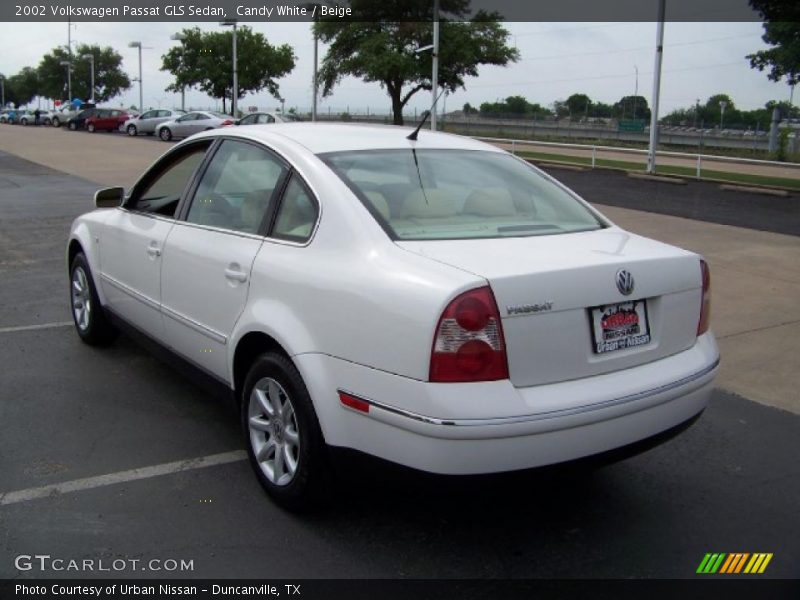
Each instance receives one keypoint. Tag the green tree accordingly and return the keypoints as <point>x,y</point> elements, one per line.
<point>109,78</point>
<point>629,107</point>
<point>578,105</point>
<point>782,31</point>
<point>468,110</point>
<point>377,50</point>
<point>204,59</point>
<point>22,87</point>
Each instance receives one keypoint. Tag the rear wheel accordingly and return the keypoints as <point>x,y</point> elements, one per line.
<point>56,122</point>
<point>165,134</point>
<point>90,321</point>
<point>72,126</point>
<point>284,440</point>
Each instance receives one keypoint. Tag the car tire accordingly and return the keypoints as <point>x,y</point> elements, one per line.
<point>56,122</point>
<point>90,128</point>
<point>47,122</point>
<point>90,320</point>
<point>24,122</point>
<point>72,126</point>
<point>165,134</point>
<point>284,441</point>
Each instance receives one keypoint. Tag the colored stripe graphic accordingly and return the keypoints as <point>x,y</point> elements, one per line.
<point>733,563</point>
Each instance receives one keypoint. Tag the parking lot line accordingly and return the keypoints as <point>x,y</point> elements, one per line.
<point>88,483</point>
<point>34,327</point>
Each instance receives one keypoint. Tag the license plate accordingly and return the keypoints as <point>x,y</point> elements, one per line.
<point>620,326</point>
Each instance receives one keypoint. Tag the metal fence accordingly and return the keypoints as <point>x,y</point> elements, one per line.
<point>697,158</point>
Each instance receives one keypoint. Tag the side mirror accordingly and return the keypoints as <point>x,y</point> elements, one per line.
<point>109,197</point>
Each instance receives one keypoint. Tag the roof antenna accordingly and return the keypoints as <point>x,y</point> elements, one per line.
<point>413,135</point>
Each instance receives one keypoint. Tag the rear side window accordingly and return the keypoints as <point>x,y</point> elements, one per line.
<point>164,185</point>
<point>297,213</point>
<point>237,188</point>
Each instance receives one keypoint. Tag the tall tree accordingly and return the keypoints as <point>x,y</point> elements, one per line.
<point>630,106</point>
<point>782,31</point>
<point>204,59</point>
<point>109,78</point>
<point>578,105</point>
<point>384,51</point>
<point>22,87</point>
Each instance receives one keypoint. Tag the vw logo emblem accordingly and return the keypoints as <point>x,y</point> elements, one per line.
<point>624,282</point>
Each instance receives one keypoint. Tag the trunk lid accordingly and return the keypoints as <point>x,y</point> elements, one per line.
<point>546,288</point>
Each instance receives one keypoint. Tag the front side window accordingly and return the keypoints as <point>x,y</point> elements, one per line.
<point>164,187</point>
<point>433,194</point>
<point>297,214</point>
<point>237,187</point>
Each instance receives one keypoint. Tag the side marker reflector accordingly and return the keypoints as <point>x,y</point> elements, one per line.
<point>353,402</point>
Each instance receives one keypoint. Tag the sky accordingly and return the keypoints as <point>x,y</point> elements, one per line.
<point>556,60</point>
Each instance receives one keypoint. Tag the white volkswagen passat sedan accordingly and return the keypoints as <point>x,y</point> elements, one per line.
<point>436,302</point>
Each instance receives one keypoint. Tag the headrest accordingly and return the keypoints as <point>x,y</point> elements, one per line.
<point>431,204</point>
<point>379,202</point>
<point>490,202</point>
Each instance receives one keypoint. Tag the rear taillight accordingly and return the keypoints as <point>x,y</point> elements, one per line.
<point>227,122</point>
<point>705,303</point>
<point>468,344</point>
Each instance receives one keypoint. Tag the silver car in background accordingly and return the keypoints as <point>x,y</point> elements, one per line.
<point>191,123</point>
<point>149,120</point>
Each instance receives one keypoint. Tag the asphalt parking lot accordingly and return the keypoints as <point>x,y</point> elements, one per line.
<point>70,412</point>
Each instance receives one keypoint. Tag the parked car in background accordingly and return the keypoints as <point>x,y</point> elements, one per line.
<point>148,121</point>
<point>106,119</point>
<point>191,123</point>
<point>28,117</point>
<point>8,116</point>
<point>63,114</point>
<point>79,120</point>
<point>263,118</point>
<point>457,310</point>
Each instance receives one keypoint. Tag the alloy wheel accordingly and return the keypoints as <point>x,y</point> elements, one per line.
<point>81,299</point>
<point>274,436</point>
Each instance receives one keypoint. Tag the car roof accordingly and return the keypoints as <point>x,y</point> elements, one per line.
<point>339,137</point>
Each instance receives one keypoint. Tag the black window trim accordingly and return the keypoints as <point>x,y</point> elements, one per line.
<point>157,169</point>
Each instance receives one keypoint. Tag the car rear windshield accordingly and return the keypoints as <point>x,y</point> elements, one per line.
<point>434,194</point>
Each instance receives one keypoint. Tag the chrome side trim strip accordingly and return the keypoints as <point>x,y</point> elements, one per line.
<point>555,414</point>
<point>131,292</point>
<point>191,323</point>
<point>212,334</point>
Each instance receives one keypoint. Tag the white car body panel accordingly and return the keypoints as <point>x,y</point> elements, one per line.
<point>357,312</point>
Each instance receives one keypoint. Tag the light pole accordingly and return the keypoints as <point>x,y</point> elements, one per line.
<point>2,92</point>
<point>722,105</point>
<point>651,152</point>
<point>141,94</point>
<point>635,91</point>
<point>435,74</point>
<point>68,64</point>
<point>90,57</point>
<point>179,37</point>
<point>232,23</point>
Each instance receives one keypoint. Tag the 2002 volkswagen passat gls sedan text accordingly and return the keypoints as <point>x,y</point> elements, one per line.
<point>435,302</point>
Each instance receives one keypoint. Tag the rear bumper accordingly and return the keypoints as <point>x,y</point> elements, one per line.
<point>530,427</point>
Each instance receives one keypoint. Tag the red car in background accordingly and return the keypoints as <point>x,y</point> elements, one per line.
<point>109,119</point>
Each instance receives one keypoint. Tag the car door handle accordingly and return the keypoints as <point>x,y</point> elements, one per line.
<point>153,251</point>
<point>236,275</point>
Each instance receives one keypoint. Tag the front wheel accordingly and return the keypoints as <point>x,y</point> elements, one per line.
<point>56,122</point>
<point>90,128</point>
<point>90,321</point>
<point>284,440</point>
<point>165,134</point>
<point>72,126</point>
